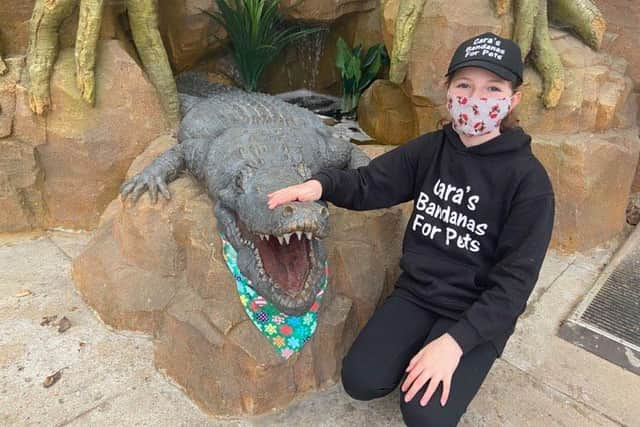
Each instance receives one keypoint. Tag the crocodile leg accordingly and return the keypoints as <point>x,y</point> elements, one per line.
<point>342,154</point>
<point>156,176</point>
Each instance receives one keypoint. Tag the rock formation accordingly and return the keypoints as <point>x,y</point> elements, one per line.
<point>158,268</point>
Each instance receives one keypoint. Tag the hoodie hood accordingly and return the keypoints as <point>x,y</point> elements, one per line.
<point>513,139</point>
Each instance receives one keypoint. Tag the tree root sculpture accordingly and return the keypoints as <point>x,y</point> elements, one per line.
<point>43,48</point>
<point>143,18</point>
<point>408,13</point>
<point>89,21</point>
<point>3,66</point>
<point>502,6</point>
<point>582,17</point>
<point>46,20</point>
<point>531,32</point>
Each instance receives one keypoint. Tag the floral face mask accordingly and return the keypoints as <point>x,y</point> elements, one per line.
<point>473,116</point>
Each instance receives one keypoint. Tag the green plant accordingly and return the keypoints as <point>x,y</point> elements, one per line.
<point>257,32</point>
<point>357,72</point>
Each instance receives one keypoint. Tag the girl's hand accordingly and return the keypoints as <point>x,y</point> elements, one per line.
<point>306,192</point>
<point>435,363</point>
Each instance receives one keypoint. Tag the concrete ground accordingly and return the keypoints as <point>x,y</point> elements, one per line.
<point>108,377</point>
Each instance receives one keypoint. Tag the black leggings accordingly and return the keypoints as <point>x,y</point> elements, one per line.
<point>375,365</point>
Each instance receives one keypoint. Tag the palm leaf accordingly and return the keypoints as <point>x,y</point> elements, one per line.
<point>356,72</point>
<point>255,34</point>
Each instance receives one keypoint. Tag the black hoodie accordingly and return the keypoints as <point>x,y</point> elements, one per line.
<point>481,223</point>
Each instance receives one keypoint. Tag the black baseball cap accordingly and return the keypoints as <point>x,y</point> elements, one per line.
<point>491,52</point>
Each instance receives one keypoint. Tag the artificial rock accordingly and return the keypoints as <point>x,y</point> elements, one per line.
<point>84,152</point>
<point>158,269</point>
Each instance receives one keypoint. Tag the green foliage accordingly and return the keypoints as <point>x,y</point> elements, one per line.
<point>357,72</point>
<point>257,32</point>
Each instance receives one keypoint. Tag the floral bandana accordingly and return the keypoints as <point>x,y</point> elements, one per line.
<point>475,116</point>
<point>286,333</point>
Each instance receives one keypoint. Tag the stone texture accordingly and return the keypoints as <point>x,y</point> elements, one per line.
<point>189,35</point>
<point>591,175</point>
<point>28,127</point>
<point>14,27</point>
<point>633,209</point>
<point>324,10</point>
<point>595,95</point>
<point>86,151</point>
<point>8,94</point>
<point>386,112</point>
<point>159,269</point>
<point>623,33</point>
<point>621,39</point>
<point>21,201</point>
<point>135,277</point>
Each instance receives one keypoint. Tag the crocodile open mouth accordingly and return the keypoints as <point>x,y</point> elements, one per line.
<point>287,263</point>
<point>285,259</point>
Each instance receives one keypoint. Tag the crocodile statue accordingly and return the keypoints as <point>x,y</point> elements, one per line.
<point>242,146</point>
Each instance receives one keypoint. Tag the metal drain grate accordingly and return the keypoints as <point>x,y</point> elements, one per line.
<point>607,322</point>
<point>616,308</point>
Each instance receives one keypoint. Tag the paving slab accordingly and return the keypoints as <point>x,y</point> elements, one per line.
<point>536,349</point>
<point>510,397</point>
<point>95,363</point>
<point>108,377</point>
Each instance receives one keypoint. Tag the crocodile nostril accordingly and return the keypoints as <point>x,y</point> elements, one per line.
<point>287,211</point>
<point>324,213</point>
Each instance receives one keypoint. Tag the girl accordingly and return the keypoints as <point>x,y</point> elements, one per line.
<point>473,246</point>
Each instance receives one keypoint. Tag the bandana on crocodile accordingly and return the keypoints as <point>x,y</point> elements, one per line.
<point>285,332</point>
<point>475,116</point>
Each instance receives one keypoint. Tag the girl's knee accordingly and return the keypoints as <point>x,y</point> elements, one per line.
<point>362,384</point>
<point>431,415</point>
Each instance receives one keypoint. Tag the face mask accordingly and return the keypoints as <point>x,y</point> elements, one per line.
<point>286,333</point>
<point>473,116</point>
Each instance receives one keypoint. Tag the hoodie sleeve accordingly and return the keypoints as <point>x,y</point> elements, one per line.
<point>387,180</point>
<point>522,246</point>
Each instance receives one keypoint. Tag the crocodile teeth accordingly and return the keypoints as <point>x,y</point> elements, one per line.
<point>299,234</point>
<point>280,239</point>
<point>309,235</point>
<point>287,236</point>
